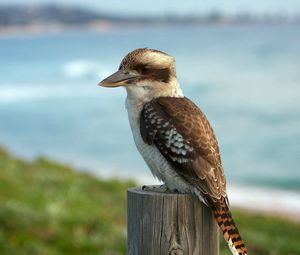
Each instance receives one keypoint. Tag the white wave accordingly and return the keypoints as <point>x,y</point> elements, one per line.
<point>21,92</point>
<point>74,70</point>
<point>266,199</point>
<point>80,68</point>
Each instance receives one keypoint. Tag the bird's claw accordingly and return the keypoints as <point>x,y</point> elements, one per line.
<point>155,188</point>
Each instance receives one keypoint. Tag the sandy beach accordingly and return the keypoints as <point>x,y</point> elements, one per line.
<point>281,203</point>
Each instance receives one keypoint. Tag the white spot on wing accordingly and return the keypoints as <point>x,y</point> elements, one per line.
<point>166,124</point>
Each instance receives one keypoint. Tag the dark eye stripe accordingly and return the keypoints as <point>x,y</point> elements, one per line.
<point>161,74</point>
<point>155,74</point>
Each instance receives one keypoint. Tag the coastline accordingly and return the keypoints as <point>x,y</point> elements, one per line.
<point>52,28</point>
<point>276,202</point>
<point>267,201</point>
<point>39,28</point>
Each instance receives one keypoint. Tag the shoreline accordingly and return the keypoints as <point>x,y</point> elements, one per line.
<point>35,29</point>
<point>277,202</point>
<point>268,201</point>
<point>52,28</point>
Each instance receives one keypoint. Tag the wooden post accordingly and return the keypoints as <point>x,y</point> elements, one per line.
<point>168,223</point>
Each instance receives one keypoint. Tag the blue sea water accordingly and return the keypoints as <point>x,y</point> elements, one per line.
<point>245,78</point>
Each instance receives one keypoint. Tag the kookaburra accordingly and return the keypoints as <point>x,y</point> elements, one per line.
<point>173,135</point>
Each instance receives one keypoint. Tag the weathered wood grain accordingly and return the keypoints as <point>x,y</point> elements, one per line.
<point>168,223</point>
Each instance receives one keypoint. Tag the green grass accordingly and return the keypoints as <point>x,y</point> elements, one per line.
<point>49,209</point>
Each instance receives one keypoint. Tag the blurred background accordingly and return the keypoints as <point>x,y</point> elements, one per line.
<point>239,61</point>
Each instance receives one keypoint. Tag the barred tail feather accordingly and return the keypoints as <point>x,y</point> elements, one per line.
<point>231,233</point>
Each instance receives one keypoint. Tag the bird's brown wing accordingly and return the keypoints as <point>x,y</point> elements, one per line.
<point>182,133</point>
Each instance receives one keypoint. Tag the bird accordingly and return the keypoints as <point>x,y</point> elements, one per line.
<point>174,136</point>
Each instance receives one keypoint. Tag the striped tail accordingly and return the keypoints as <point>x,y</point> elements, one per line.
<point>231,233</point>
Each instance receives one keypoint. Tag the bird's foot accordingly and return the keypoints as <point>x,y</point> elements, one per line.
<point>155,188</point>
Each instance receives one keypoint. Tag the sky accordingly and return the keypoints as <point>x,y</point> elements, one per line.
<point>153,7</point>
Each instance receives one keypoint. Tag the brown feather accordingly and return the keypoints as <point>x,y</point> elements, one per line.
<point>165,119</point>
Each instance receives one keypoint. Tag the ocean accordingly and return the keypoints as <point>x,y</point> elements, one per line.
<point>245,78</point>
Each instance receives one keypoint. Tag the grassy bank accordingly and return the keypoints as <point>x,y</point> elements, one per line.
<point>48,208</point>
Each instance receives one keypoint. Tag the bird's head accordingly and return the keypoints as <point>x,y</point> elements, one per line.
<point>146,74</point>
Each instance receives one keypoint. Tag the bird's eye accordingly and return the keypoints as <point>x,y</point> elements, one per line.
<point>145,69</point>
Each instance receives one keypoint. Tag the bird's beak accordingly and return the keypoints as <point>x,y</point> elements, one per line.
<point>119,78</point>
